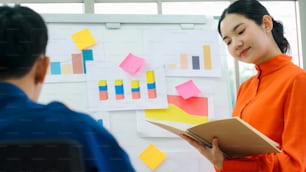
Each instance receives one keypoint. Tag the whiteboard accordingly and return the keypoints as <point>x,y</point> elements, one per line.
<point>153,38</point>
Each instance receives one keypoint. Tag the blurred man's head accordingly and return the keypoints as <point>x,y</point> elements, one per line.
<point>23,40</point>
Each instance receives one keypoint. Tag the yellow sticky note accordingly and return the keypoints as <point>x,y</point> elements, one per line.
<point>83,39</point>
<point>152,157</point>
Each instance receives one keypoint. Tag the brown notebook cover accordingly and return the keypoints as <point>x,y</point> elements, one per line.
<point>236,137</point>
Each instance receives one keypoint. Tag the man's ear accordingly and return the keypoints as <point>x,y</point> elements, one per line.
<point>42,66</point>
<point>267,23</point>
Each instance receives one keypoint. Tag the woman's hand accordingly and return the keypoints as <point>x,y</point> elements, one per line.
<point>214,154</point>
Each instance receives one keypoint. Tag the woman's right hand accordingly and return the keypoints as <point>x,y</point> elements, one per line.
<point>213,154</point>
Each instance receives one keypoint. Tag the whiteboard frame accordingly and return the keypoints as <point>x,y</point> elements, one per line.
<point>125,18</point>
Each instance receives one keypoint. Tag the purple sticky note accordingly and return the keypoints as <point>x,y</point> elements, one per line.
<point>132,64</point>
<point>188,89</point>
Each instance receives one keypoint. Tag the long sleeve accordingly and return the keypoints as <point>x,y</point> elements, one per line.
<point>293,140</point>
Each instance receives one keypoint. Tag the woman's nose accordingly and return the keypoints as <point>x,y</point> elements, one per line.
<point>237,43</point>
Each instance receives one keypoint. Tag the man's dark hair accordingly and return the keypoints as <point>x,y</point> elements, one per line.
<point>23,38</point>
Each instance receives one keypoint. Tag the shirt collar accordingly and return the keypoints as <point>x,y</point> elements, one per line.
<point>8,89</point>
<point>273,64</point>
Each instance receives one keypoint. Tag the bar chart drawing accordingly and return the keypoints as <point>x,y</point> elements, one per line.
<point>76,66</point>
<point>185,53</point>
<point>110,88</point>
<point>67,62</point>
<point>193,62</point>
<point>135,90</point>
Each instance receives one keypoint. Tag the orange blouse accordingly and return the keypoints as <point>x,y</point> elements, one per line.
<point>274,102</point>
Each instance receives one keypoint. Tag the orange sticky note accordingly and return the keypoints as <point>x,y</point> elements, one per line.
<point>152,157</point>
<point>83,39</point>
<point>188,89</point>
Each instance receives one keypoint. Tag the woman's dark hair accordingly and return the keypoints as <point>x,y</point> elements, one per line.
<point>23,38</point>
<point>255,11</point>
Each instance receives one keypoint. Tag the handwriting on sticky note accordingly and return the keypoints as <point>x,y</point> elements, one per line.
<point>83,39</point>
<point>132,64</point>
<point>188,89</point>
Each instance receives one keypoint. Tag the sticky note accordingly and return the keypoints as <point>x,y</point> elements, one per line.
<point>152,157</point>
<point>188,89</point>
<point>132,64</point>
<point>83,39</point>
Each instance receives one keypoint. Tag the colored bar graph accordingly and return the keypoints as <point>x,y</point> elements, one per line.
<point>184,61</point>
<point>195,62</point>
<point>77,63</point>
<point>103,94</point>
<point>135,89</point>
<point>55,68</point>
<point>119,89</point>
<point>207,57</point>
<point>150,78</point>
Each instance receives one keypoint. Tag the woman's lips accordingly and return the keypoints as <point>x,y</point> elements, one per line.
<point>244,52</point>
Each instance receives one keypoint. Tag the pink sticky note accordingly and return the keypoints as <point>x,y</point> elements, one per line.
<point>131,64</point>
<point>188,89</point>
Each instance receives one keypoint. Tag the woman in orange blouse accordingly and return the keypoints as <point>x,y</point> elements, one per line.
<point>273,101</point>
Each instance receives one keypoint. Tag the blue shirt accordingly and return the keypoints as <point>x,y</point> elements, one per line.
<point>23,119</point>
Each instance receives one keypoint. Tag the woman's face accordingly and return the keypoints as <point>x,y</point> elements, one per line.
<point>246,41</point>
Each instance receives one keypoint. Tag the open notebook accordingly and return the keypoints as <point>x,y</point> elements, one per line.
<point>236,137</point>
